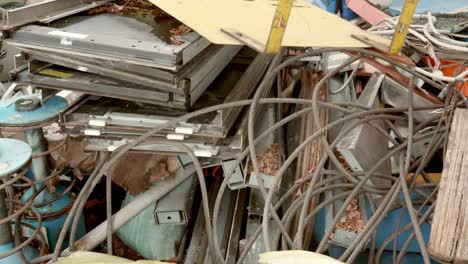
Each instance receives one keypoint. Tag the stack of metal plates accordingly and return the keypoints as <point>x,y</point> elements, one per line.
<point>121,56</point>
<point>134,79</point>
<point>108,123</point>
<point>16,13</point>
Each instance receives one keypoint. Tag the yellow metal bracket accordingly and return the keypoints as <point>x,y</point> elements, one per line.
<point>402,28</point>
<point>278,27</point>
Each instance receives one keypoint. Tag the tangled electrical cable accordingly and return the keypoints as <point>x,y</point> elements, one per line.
<point>320,180</point>
<point>435,42</point>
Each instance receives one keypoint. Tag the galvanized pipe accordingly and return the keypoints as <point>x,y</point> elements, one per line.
<point>141,202</point>
<point>40,165</point>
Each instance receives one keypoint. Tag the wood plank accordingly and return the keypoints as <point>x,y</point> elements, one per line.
<point>448,238</point>
<point>308,25</point>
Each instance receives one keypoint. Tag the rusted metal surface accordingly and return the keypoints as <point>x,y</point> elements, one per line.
<point>313,152</point>
<point>134,171</point>
<point>72,154</point>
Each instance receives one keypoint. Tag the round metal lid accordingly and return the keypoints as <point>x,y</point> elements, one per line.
<point>10,116</point>
<point>14,154</point>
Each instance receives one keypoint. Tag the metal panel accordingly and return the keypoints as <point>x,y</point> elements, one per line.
<point>111,36</point>
<point>89,77</point>
<point>151,233</point>
<point>40,59</point>
<point>136,119</point>
<point>254,221</point>
<point>196,75</point>
<point>17,13</point>
<point>364,145</point>
<point>396,95</point>
<point>198,246</point>
<point>224,223</point>
<point>236,227</point>
<point>200,150</point>
<point>175,207</point>
<point>93,84</point>
<point>237,178</point>
<point>116,117</point>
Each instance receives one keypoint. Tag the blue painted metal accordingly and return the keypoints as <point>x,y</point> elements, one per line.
<point>49,109</point>
<point>388,226</point>
<point>153,240</point>
<point>435,6</point>
<point>54,225</point>
<point>40,167</point>
<point>347,13</point>
<point>318,3</point>
<point>386,258</point>
<point>14,154</point>
<point>29,253</point>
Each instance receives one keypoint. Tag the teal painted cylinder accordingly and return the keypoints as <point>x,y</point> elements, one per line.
<point>29,253</point>
<point>53,225</point>
<point>158,231</point>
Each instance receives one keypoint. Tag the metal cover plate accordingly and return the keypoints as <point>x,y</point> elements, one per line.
<point>111,36</point>
<point>50,108</point>
<point>14,154</point>
<point>18,13</point>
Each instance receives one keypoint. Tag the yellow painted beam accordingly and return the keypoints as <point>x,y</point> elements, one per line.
<point>402,28</point>
<point>278,27</point>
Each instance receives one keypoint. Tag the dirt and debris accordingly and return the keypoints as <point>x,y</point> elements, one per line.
<point>342,161</point>
<point>267,161</point>
<point>129,6</point>
<point>177,34</point>
<point>352,221</point>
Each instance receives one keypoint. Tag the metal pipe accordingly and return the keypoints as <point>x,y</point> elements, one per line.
<point>40,165</point>
<point>124,215</point>
<point>5,229</point>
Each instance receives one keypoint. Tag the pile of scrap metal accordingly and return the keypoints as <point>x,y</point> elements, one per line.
<point>225,154</point>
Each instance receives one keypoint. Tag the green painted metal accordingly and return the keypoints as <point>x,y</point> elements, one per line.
<point>157,232</point>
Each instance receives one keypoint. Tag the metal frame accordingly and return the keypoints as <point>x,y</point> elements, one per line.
<point>42,11</point>
<point>156,146</point>
<point>111,117</point>
<point>88,83</point>
<point>180,93</point>
<point>199,72</point>
<point>84,38</point>
<point>117,120</point>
